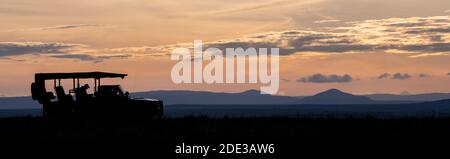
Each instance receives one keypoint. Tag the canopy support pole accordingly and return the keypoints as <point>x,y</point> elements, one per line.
<point>74,84</point>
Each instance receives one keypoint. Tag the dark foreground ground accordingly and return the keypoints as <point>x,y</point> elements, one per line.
<point>213,129</point>
<point>290,135</point>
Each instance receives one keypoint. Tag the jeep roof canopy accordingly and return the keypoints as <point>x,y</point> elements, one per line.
<point>83,75</point>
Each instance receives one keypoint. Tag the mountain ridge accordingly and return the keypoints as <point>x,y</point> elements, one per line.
<point>249,97</point>
<point>203,97</point>
<point>409,97</point>
<point>335,96</point>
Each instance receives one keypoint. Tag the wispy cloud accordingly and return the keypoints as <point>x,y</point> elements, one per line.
<point>58,27</point>
<point>429,55</point>
<point>70,26</point>
<point>84,57</point>
<point>23,48</point>
<point>384,76</point>
<point>401,76</point>
<point>327,21</point>
<point>424,75</point>
<point>321,78</point>
<point>398,76</point>
<point>260,6</point>
<point>9,50</point>
<point>285,80</point>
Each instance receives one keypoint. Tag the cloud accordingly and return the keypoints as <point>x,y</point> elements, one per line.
<point>285,80</point>
<point>260,6</point>
<point>327,21</point>
<point>76,56</point>
<point>320,78</point>
<point>23,48</point>
<point>113,56</point>
<point>421,35</point>
<point>162,50</point>
<point>293,41</point>
<point>401,76</point>
<point>428,55</point>
<point>87,57</point>
<point>397,76</point>
<point>69,26</point>
<point>58,27</point>
<point>8,50</point>
<point>424,36</point>
<point>423,75</point>
<point>431,30</point>
<point>408,35</point>
<point>384,75</point>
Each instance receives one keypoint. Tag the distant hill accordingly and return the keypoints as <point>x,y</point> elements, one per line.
<point>251,97</point>
<point>414,98</point>
<point>18,103</point>
<point>335,96</point>
<point>200,97</point>
<point>439,103</point>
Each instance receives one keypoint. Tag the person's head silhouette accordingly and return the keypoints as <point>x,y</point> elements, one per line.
<point>86,86</point>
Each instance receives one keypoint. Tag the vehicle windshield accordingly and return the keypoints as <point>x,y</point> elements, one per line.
<point>119,91</point>
<point>110,91</point>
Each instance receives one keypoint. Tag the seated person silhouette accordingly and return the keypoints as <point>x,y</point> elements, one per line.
<point>62,96</point>
<point>81,93</point>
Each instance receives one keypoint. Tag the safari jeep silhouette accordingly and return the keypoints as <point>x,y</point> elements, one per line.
<point>106,101</point>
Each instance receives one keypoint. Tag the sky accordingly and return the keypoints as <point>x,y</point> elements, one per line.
<point>358,46</point>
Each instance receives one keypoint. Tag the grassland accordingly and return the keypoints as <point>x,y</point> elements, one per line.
<point>223,129</point>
